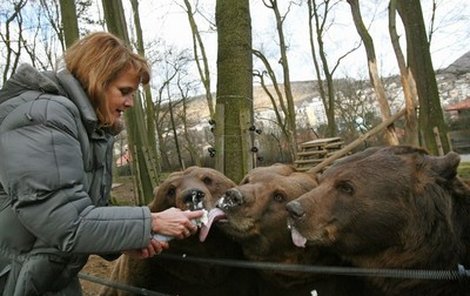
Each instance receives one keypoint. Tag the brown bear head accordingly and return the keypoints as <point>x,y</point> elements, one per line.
<point>191,189</point>
<point>256,207</point>
<point>388,207</point>
<point>256,217</point>
<point>255,210</point>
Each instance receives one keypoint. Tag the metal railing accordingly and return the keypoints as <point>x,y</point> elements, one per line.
<point>449,275</point>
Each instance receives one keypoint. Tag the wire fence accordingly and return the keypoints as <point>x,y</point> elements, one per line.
<point>458,274</point>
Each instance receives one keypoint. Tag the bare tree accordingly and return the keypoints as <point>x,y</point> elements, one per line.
<point>184,90</point>
<point>407,82</point>
<point>318,24</point>
<point>355,109</point>
<point>51,10</point>
<point>161,122</point>
<point>12,52</point>
<point>273,5</point>
<point>279,106</point>
<point>30,46</point>
<point>390,133</point>
<point>173,67</point>
<point>419,60</point>
<point>200,57</point>
<point>171,107</point>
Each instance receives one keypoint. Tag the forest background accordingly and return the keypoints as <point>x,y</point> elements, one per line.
<point>220,50</point>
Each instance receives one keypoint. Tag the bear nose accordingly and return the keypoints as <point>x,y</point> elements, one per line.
<point>231,198</point>
<point>193,199</point>
<point>295,210</point>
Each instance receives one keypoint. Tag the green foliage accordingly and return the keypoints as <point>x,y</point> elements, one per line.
<point>464,170</point>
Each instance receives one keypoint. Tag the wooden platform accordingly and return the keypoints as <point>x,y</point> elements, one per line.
<point>460,140</point>
<point>313,152</point>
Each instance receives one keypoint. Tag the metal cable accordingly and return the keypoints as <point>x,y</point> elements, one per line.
<point>457,274</point>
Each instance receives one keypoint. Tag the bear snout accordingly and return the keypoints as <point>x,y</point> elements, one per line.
<point>295,210</point>
<point>194,198</point>
<point>231,198</point>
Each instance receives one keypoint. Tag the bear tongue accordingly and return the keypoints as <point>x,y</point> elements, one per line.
<point>298,239</point>
<point>213,215</point>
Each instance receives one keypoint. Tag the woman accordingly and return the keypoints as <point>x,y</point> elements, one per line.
<point>56,137</point>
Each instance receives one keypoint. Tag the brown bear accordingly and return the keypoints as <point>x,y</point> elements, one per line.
<point>188,189</point>
<point>391,208</point>
<point>256,217</point>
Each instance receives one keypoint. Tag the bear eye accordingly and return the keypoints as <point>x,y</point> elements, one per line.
<point>345,187</point>
<point>171,192</point>
<point>207,180</point>
<point>278,197</point>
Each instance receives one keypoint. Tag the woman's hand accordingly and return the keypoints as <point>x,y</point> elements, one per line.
<point>175,222</point>
<point>153,248</point>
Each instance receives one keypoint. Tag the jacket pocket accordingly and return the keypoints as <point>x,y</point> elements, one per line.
<point>41,274</point>
<point>15,238</point>
<point>5,268</point>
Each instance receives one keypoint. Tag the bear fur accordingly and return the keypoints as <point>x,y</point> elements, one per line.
<point>256,217</point>
<point>391,208</point>
<point>175,277</point>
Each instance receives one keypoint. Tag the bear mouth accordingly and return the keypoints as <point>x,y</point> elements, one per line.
<point>213,215</point>
<point>323,235</point>
<point>297,238</point>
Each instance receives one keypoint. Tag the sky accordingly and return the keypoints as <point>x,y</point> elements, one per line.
<point>165,20</point>
<point>165,24</point>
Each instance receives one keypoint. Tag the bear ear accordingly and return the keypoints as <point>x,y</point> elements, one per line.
<point>445,166</point>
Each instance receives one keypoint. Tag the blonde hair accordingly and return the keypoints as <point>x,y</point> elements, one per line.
<point>96,60</point>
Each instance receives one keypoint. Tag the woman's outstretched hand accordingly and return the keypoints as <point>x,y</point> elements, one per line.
<point>153,248</point>
<point>175,223</point>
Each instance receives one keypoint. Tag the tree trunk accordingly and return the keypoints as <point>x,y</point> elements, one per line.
<point>407,82</point>
<point>285,70</point>
<point>138,145</point>
<point>149,105</point>
<point>234,108</point>
<point>283,121</point>
<point>420,63</point>
<point>69,19</point>
<point>175,135</point>
<point>390,134</point>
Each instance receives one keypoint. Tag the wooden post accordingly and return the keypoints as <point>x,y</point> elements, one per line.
<point>139,194</point>
<point>440,149</point>
<point>219,137</point>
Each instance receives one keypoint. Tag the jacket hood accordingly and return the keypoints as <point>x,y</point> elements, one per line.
<point>63,83</point>
<point>28,78</point>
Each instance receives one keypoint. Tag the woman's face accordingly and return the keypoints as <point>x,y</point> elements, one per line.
<point>119,94</point>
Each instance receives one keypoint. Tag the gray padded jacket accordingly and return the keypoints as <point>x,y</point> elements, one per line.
<point>55,179</point>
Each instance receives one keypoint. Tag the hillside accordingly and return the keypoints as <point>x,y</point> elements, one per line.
<point>460,65</point>
<point>453,83</point>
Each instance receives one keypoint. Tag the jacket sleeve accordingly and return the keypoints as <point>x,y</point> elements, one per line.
<point>42,170</point>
